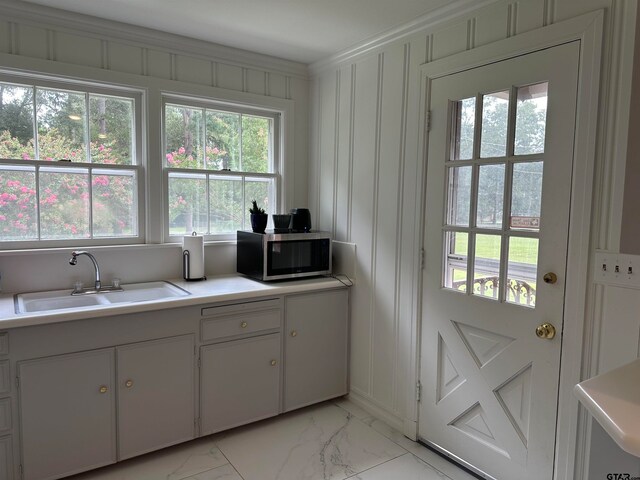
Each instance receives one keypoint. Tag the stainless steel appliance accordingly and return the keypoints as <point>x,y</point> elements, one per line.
<point>278,256</point>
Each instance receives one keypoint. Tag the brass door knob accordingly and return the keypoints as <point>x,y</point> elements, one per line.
<point>243,325</point>
<point>273,363</point>
<point>128,383</point>
<point>103,389</point>
<point>294,333</point>
<point>546,331</point>
<point>550,278</point>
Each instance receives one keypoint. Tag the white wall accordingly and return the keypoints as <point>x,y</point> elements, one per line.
<point>49,41</point>
<point>618,329</point>
<point>364,185</point>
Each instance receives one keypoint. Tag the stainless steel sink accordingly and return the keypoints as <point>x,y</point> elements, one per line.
<point>62,299</point>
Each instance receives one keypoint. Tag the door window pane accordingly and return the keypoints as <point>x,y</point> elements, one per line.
<point>531,119</point>
<point>495,114</point>
<point>111,130</point>
<point>115,210</point>
<point>227,209</point>
<point>463,124</point>
<point>64,203</point>
<point>61,118</point>
<point>490,196</point>
<point>456,248</point>
<point>459,196</point>
<point>18,212</point>
<point>187,203</point>
<point>522,271</point>
<point>486,279</point>
<point>526,196</point>
<point>183,137</point>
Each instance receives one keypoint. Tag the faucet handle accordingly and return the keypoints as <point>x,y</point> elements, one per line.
<point>78,286</point>
<point>115,282</point>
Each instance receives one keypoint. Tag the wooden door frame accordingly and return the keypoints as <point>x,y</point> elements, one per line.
<point>588,30</point>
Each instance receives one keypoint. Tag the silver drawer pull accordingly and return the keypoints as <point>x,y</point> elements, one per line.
<point>273,363</point>
<point>243,325</point>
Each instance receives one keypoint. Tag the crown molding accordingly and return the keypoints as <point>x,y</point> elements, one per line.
<point>35,14</point>
<point>441,15</point>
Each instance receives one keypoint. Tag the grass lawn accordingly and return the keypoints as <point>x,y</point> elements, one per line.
<point>521,251</point>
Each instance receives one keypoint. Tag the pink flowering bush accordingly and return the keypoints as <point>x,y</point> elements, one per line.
<point>184,195</point>
<point>64,194</point>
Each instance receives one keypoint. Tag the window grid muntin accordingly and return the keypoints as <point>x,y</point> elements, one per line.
<point>37,165</point>
<point>506,232</point>
<point>274,155</point>
<point>87,94</point>
<point>274,118</point>
<point>244,176</point>
<point>136,96</point>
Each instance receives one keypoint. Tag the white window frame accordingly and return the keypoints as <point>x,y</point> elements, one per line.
<point>138,159</point>
<point>276,154</point>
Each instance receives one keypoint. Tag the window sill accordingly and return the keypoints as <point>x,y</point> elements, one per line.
<point>108,248</point>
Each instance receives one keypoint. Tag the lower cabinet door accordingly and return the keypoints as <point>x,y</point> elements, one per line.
<point>6,458</point>
<point>240,382</point>
<point>156,394</point>
<point>316,347</point>
<point>67,411</point>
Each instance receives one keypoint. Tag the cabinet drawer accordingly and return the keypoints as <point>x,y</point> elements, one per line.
<point>240,324</point>
<point>6,459</point>
<point>5,414</point>
<point>241,307</point>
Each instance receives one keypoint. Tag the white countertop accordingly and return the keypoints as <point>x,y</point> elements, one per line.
<point>222,288</point>
<point>613,399</point>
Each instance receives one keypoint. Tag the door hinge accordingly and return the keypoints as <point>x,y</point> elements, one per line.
<point>21,471</point>
<point>17,382</point>
<point>199,362</point>
<point>428,121</point>
<point>422,254</point>
<point>418,391</point>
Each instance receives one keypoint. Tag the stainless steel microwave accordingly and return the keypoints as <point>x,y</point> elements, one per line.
<point>278,256</point>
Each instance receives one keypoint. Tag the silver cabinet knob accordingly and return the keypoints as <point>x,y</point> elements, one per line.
<point>294,333</point>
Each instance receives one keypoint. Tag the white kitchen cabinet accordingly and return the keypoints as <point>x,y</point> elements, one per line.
<point>99,390</point>
<point>239,382</point>
<point>316,347</point>
<point>156,396</point>
<point>6,458</point>
<point>68,414</point>
<point>68,405</point>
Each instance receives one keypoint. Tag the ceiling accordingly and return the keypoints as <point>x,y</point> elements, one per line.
<point>299,30</point>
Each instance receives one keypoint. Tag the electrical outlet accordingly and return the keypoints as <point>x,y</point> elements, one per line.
<point>617,269</point>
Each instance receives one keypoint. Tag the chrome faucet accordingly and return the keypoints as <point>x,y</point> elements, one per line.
<point>74,261</point>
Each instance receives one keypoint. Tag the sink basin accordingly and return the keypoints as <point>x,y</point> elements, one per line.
<point>62,299</point>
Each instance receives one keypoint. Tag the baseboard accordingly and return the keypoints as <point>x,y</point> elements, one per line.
<point>376,411</point>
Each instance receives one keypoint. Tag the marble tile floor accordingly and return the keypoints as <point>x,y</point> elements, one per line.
<point>334,440</point>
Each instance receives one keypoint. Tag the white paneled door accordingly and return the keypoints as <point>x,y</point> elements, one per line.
<point>499,166</point>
